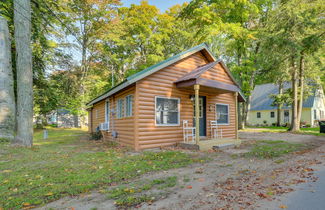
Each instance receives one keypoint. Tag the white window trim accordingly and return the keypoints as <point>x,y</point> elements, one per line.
<point>118,110</point>
<point>126,108</point>
<point>178,107</point>
<point>228,114</point>
<point>107,118</point>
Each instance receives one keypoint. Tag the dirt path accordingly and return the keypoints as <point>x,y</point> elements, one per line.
<point>225,182</point>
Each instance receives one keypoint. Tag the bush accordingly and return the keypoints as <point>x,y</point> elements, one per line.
<point>4,140</point>
<point>96,135</point>
<point>54,125</point>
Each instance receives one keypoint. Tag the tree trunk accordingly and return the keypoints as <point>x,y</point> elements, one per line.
<point>301,87</point>
<point>243,116</point>
<point>22,23</point>
<point>294,124</point>
<point>278,122</point>
<point>7,96</point>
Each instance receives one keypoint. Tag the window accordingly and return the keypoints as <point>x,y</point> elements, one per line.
<point>272,114</point>
<point>96,113</point>
<point>107,111</point>
<point>258,114</point>
<point>222,111</point>
<point>120,108</point>
<point>167,111</point>
<point>315,114</point>
<point>128,105</point>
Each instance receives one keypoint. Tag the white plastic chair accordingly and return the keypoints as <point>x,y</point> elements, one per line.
<point>215,131</point>
<point>188,132</point>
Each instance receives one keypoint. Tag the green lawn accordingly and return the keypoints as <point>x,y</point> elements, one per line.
<point>64,164</point>
<point>272,149</point>
<point>274,129</point>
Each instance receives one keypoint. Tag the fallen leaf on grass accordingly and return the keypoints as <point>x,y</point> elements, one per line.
<point>262,195</point>
<point>189,187</point>
<point>49,194</point>
<point>26,204</point>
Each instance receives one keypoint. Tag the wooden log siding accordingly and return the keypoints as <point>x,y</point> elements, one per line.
<point>124,126</point>
<point>218,73</point>
<point>140,130</point>
<point>162,84</point>
<point>97,115</point>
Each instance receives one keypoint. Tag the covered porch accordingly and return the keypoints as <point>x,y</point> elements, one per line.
<point>197,81</point>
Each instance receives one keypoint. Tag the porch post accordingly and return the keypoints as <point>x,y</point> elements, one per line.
<point>197,114</point>
<point>236,114</point>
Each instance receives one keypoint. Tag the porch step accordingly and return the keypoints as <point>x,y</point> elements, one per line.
<point>223,145</point>
<point>217,143</point>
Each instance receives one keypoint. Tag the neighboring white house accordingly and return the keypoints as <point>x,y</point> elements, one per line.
<point>263,113</point>
<point>63,119</point>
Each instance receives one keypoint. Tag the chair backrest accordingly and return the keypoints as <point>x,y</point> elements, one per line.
<point>213,124</point>
<point>185,123</point>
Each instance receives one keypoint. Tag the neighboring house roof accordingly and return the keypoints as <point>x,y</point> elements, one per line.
<point>261,99</point>
<point>152,69</point>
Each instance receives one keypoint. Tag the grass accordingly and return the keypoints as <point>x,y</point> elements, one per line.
<point>273,149</point>
<point>274,129</point>
<point>137,193</point>
<point>65,165</point>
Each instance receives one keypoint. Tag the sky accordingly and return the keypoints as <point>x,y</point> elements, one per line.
<point>163,5</point>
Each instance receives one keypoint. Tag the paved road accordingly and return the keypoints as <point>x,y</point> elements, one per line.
<point>307,196</point>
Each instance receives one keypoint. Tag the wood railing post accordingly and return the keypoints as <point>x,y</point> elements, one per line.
<point>197,114</point>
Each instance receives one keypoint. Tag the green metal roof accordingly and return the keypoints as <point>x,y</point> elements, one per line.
<point>146,72</point>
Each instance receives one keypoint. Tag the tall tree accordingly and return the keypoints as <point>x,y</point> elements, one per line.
<point>295,30</point>
<point>7,96</point>
<point>233,28</point>
<point>22,23</point>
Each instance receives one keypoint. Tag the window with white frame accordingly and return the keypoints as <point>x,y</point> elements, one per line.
<point>107,111</point>
<point>167,111</point>
<point>120,108</point>
<point>128,105</point>
<point>222,111</point>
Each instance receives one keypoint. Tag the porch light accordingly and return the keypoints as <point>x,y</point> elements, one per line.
<point>211,107</point>
<point>192,98</point>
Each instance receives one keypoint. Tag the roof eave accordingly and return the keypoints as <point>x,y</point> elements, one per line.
<point>146,72</point>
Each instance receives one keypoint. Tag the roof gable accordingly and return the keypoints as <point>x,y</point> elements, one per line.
<point>152,69</point>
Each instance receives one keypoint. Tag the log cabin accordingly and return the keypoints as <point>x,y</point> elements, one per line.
<point>168,102</point>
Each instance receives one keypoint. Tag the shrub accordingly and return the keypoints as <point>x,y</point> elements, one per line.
<point>96,135</point>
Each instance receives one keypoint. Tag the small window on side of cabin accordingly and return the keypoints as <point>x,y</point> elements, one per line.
<point>120,108</point>
<point>258,114</point>
<point>128,105</point>
<point>167,111</point>
<point>96,113</point>
<point>272,115</point>
<point>222,111</point>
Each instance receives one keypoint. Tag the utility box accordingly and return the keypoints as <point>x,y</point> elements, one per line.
<point>322,126</point>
